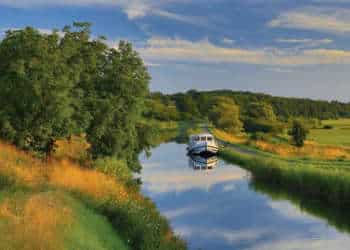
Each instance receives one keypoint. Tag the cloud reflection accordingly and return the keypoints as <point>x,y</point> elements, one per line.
<point>172,179</point>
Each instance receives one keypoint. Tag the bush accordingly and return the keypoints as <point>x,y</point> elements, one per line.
<point>328,127</point>
<point>253,126</point>
<point>259,136</point>
<point>299,133</point>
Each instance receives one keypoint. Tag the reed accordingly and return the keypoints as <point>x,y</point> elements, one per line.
<point>325,183</point>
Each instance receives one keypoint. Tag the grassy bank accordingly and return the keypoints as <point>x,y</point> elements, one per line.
<point>107,202</point>
<point>52,220</point>
<point>326,183</point>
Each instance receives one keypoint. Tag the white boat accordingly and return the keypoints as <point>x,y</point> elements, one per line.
<point>203,144</point>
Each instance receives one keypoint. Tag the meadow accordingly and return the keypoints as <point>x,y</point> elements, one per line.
<point>338,135</point>
<point>322,144</point>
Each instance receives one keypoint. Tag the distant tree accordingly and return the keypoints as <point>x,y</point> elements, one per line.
<point>156,109</point>
<point>299,133</point>
<point>261,111</point>
<point>225,115</point>
<point>187,107</point>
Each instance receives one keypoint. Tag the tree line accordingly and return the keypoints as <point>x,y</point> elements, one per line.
<point>195,104</point>
<point>66,83</point>
<point>254,113</point>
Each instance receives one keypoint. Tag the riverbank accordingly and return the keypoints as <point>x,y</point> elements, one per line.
<point>64,198</point>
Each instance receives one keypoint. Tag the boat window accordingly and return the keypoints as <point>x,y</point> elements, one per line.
<point>203,138</point>
<point>209,138</point>
<point>196,138</point>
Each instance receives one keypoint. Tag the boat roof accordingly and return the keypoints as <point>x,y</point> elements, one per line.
<point>203,134</point>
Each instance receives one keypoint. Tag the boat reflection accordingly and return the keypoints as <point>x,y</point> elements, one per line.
<point>198,162</point>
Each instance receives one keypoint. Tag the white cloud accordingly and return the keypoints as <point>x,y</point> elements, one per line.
<point>231,237</point>
<point>337,243</point>
<point>334,20</point>
<point>174,179</point>
<point>228,41</point>
<point>306,42</point>
<point>134,9</point>
<point>178,50</point>
<point>178,212</point>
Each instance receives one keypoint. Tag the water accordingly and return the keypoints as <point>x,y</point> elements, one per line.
<point>219,208</point>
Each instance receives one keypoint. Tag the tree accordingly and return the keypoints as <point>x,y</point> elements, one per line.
<point>187,107</point>
<point>261,111</point>
<point>156,109</point>
<point>225,115</point>
<point>298,133</point>
<point>117,104</point>
<point>54,86</point>
<point>35,97</point>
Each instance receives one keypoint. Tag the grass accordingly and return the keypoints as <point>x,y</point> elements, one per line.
<point>327,183</point>
<point>339,135</point>
<point>134,218</point>
<point>283,148</point>
<point>52,220</point>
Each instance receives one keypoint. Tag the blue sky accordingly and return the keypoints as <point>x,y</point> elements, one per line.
<point>281,47</point>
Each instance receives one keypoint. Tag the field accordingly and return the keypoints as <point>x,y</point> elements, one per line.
<point>338,135</point>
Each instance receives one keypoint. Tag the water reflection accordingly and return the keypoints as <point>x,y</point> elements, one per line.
<point>220,209</point>
<point>198,162</point>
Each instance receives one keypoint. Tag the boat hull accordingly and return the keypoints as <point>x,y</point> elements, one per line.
<point>203,149</point>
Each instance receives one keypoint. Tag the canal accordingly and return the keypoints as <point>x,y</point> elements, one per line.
<point>219,207</point>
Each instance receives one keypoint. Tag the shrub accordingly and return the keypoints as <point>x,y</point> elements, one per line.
<point>256,136</point>
<point>253,126</point>
<point>299,133</point>
<point>328,127</point>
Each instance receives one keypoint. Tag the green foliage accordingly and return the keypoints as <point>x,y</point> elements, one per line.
<point>326,183</point>
<point>35,97</point>
<point>261,111</point>
<point>142,226</point>
<point>299,133</point>
<point>119,94</point>
<point>284,108</point>
<point>156,109</point>
<point>56,86</point>
<point>259,136</point>
<point>339,135</point>
<point>225,115</point>
<point>113,167</point>
<point>262,126</point>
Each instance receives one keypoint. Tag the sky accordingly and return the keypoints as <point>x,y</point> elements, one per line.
<point>280,47</point>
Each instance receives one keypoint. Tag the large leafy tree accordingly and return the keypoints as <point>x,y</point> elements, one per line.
<point>35,96</point>
<point>59,84</point>
<point>118,101</point>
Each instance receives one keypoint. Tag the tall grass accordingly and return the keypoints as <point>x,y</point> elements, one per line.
<point>133,216</point>
<point>328,184</point>
<point>52,220</point>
